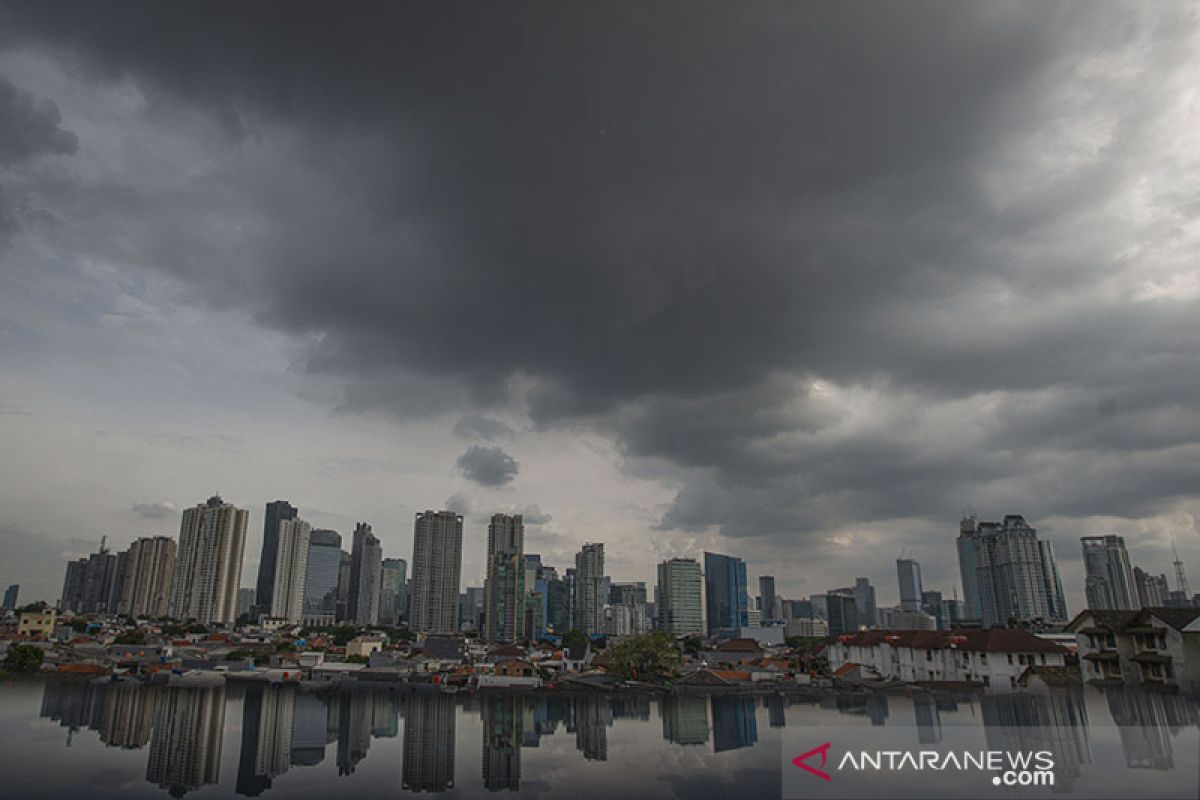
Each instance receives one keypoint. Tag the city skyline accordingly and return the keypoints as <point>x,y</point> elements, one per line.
<point>807,299</point>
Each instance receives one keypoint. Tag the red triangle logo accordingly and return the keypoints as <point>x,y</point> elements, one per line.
<point>800,759</point>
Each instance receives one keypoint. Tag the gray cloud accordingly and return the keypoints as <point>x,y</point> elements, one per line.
<point>808,264</point>
<point>30,126</point>
<point>487,466</point>
<point>155,510</point>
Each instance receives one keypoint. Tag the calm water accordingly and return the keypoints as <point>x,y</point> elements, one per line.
<point>90,741</point>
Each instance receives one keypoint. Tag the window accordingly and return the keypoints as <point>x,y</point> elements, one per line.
<point>1010,658</point>
<point>929,655</point>
<point>1043,658</point>
<point>983,658</point>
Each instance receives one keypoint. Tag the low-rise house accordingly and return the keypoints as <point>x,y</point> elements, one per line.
<point>734,651</point>
<point>38,623</point>
<point>995,657</point>
<point>363,646</point>
<point>1151,647</point>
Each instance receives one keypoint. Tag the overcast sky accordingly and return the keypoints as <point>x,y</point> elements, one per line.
<point>801,282</point>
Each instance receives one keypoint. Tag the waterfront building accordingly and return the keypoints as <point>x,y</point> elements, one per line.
<point>436,572</point>
<point>208,568</point>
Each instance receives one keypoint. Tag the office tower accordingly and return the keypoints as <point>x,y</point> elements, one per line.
<point>1056,601</point>
<point>558,606</point>
<point>680,597</point>
<point>366,573</point>
<point>185,747</point>
<point>627,605</point>
<point>504,586</point>
<point>502,716</point>
<point>842,612</point>
<point>1152,590</point>
<point>276,513</point>
<point>909,573</point>
<point>864,602</point>
<point>149,572</point>
<point>208,568</point>
<point>245,602</point>
<point>589,589</point>
<point>727,603</point>
<point>473,605</point>
<point>766,596</point>
<point>429,738</point>
<point>343,590</point>
<point>570,581</point>
<point>291,570</point>
<point>93,585</point>
<point>10,596</point>
<point>391,596</point>
<point>1109,578</point>
<point>1005,573</point>
<point>321,579</point>
<point>436,571</point>
<point>931,604</point>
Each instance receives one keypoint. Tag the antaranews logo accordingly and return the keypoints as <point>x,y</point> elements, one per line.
<point>1007,768</point>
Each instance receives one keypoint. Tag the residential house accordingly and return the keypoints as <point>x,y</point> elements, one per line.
<point>1151,647</point>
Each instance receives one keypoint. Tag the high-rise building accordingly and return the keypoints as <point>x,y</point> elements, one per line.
<point>766,595</point>
<point>909,573</point>
<point>627,608</point>
<point>1005,574</point>
<point>1153,591</point>
<point>680,597</point>
<point>864,602</point>
<point>149,574</point>
<point>185,746</point>
<point>366,568</point>
<point>1109,577</point>
<point>436,571</point>
<point>321,579</point>
<point>391,598</point>
<point>932,604</point>
<point>589,588</point>
<point>10,596</point>
<point>842,612</point>
<point>343,590</point>
<point>504,586</point>
<point>291,570</point>
<point>429,729</point>
<point>245,602</point>
<point>93,585</point>
<point>276,512</point>
<point>727,602</point>
<point>208,569</point>
<point>558,606</point>
<point>472,607</point>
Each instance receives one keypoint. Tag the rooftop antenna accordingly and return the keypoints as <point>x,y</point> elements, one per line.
<point>1180,578</point>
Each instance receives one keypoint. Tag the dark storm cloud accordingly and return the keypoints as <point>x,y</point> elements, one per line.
<point>487,466</point>
<point>669,224</point>
<point>30,127</point>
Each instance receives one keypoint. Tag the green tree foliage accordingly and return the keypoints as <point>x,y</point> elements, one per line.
<point>131,637</point>
<point>23,658</point>
<point>648,657</point>
<point>573,637</point>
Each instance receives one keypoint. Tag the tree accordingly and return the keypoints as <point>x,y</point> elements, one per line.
<point>574,637</point>
<point>131,637</point>
<point>647,657</point>
<point>23,658</point>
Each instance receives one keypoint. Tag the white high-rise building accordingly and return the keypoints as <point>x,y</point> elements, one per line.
<point>291,570</point>
<point>589,588</point>
<point>1109,580</point>
<point>149,573</point>
<point>366,576</point>
<point>436,571</point>
<point>208,570</point>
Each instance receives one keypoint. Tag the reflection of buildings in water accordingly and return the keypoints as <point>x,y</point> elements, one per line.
<point>872,706</point>
<point>592,718</point>
<point>429,743</point>
<point>73,706</point>
<point>501,756</point>
<point>354,730</point>
<point>685,719</point>
<point>928,718</point>
<point>632,706</point>
<point>268,715</point>
<point>385,715</point>
<point>734,723</point>
<point>310,720</point>
<point>185,748</point>
<point>1146,722</point>
<point>776,714</point>
<point>1054,721</point>
<point>128,716</point>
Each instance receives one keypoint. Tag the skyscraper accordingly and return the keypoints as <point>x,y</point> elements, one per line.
<point>366,573</point>
<point>391,597</point>
<point>1109,578</point>
<point>1153,591</point>
<point>208,569</point>
<point>727,603</point>
<point>932,604</point>
<point>436,571</point>
<point>909,573</point>
<point>93,585</point>
<point>864,602</point>
<point>276,512</point>
<point>590,596</point>
<point>321,579</point>
<point>10,596</point>
<point>680,597</point>
<point>149,574</point>
<point>766,593</point>
<point>504,586</point>
<point>1007,575</point>
<point>291,570</point>
<point>842,612</point>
